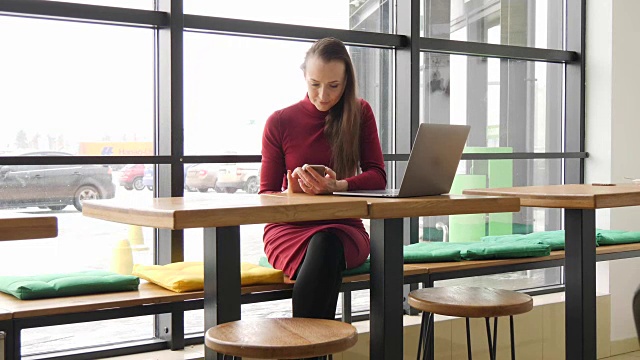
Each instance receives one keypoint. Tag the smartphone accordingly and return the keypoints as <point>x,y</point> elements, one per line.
<point>320,169</point>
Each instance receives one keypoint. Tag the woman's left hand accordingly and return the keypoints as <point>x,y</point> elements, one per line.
<point>313,183</point>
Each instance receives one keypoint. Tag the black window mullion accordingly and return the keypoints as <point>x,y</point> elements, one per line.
<point>287,31</point>
<point>471,48</point>
<point>84,12</point>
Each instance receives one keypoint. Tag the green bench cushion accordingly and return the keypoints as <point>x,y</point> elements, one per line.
<point>424,252</point>
<point>507,249</point>
<point>612,237</point>
<point>67,284</point>
<point>365,268</point>
<point>555,239</point>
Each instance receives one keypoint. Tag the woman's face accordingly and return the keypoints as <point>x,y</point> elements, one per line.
<point>325,82</point>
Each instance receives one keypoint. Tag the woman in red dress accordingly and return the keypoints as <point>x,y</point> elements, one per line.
<point>331,126</point>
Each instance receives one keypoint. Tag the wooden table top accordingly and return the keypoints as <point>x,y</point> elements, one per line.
<point>184,213</point>
<point>570,196</point>
<point>387,208</point>
<point>14,226</point>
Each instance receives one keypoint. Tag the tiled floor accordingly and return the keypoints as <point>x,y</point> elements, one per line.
<point>628,356</point>
<point>189,353</point>
<point>195,352</point>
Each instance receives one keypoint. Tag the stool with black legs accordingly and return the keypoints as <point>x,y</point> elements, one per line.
<point>468,302</point>
<point>281,338</point>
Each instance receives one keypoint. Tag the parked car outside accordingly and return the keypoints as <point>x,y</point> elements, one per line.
<point>131,176</point>
<point>234,177</point>
<point>53,186</point>
<point>147,178</point>
<point>202,177</point>
<point>186,171</point>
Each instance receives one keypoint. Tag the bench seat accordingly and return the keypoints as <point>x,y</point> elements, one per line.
<point>145,295</point>
<point>5,315</point>
<point>476,264</point>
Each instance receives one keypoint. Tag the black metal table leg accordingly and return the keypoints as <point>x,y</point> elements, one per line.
<point>9,343</point>
<point>468,339</point>
<point>422,341</point>
<point>15,336</point>
<point>486,320</point>
<point>386,289</point>
<point>495,338</point>
<point>428,283</point>
<point>346,306</point>
<point>221,278</point>
<point>580,274</point>
<point>492,340</point>
<point>513,341</point>
<point>428,336</point>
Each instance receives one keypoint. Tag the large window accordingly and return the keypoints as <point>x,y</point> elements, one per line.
<point>236,94</point>
<point>520,23</point>
<point>103,99</point>
<point>337,14</point>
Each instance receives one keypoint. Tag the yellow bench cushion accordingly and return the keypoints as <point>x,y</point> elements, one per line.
<point>189,275</point>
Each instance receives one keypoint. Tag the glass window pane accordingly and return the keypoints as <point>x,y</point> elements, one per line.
<point>228,87</point>
<point>69,83</point>
<point>362,15</point>
<point>474,174</point>
<point>60,338</point>
<point>82,243</point>
<point>132,4</point>
<point>517,280</point>
<point>511,105</point>
<point>472,227</point>
<point>532,23</point>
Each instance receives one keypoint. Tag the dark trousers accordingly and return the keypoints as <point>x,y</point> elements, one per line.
<point>636,310</point>
<point>318,279</point>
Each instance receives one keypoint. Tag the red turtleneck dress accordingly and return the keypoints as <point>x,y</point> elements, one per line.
<point>292,137</point>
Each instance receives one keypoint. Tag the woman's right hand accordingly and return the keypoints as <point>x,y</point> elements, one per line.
<point>293,186</point>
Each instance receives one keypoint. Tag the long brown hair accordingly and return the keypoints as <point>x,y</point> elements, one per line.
<point>342,123</point>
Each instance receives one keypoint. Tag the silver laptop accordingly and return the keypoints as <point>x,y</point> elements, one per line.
<point>432,163</point>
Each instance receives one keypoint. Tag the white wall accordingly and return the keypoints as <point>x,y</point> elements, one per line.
<point>613,126</point>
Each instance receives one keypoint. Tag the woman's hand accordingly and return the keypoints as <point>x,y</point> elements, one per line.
<point>310,182</point>
<point>292,184</point>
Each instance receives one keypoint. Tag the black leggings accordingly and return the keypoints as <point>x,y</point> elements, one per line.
<point>636,310</point>
<point>318,279</point>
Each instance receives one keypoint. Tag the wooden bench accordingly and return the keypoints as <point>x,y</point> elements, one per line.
<point>452,270</point>
<point>150,299</point>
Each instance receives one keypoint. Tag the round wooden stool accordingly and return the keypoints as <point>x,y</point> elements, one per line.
<point>468,302</point>
<point>281,338</point>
